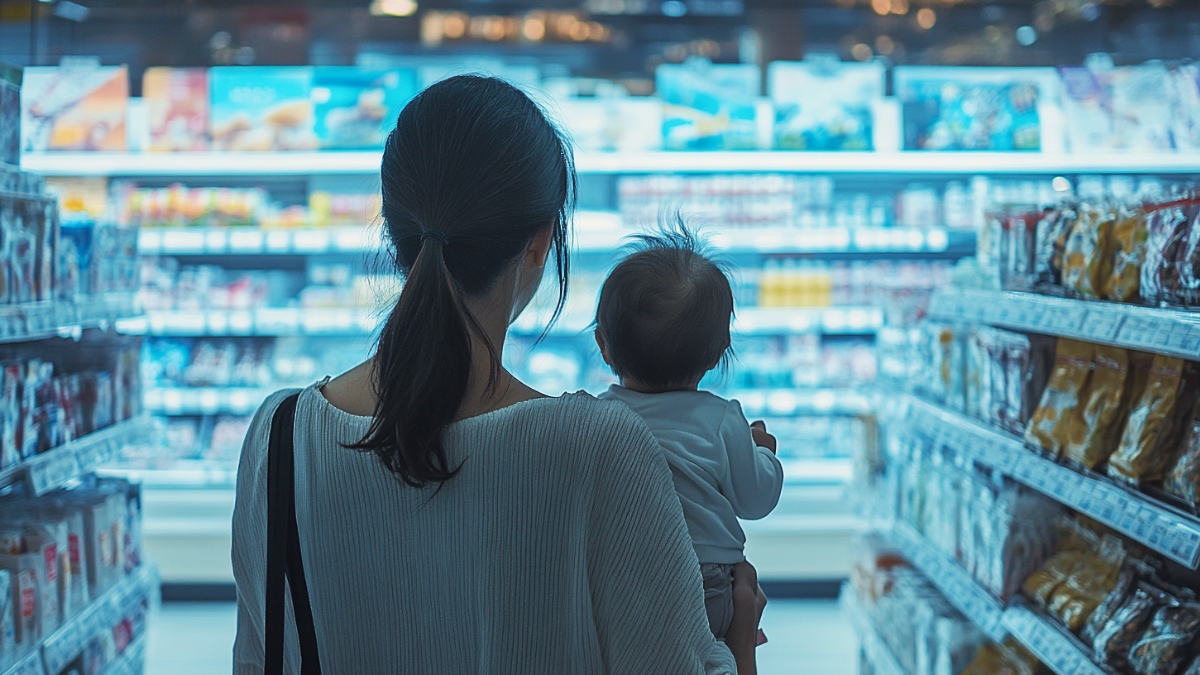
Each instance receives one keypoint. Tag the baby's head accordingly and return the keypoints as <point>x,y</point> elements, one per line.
<point>664,313</point>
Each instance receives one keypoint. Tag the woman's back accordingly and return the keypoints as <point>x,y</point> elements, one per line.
<point>529,560</point>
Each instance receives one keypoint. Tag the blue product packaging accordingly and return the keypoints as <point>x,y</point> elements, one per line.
<point>709,107</point>
<point>10,115</point>
<point>356,108</point>
<point>74,254</point>
<point>259,108</point>
<point>824,105</point>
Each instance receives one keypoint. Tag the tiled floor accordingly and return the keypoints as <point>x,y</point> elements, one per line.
<point>805,636</point>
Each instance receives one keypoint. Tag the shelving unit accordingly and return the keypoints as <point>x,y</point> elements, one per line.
<point>877,652</point>
<point>1057,649</point>
<point>40,320</point>
<point>1154,524</point>
<point>1165,331</point>
<point>59,466</point>
<point>905,163</point>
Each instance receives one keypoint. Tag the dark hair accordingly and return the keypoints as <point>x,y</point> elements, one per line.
<point>471,173</point>
<point>665,310</point>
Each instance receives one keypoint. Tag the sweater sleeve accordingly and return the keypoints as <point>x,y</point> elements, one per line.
<point>755,477</point>
<point>647,593</point>
<point>249,554</point>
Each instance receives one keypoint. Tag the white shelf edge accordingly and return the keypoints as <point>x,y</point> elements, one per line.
<point>21,322</point>
<point>128,661</point>
<point>1053,646</point>
<point>66,642</point>
<point>975,603</point>
<point>1141,518</point>
<point>877,651</point>
<point>175,401</point>
<point>29,664</point>
<point>902,163</point>
<point>1166,331</point>
<point>58,466</point>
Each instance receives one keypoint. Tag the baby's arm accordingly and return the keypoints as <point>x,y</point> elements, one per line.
<point>755,477</point>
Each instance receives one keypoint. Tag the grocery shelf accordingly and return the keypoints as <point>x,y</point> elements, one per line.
<point>58,466</point>
<point>1169,531</point>
<point>295,321</point>
<point>876,650</point>
<point>595,232</point>
<point>975,603</point>
<point>205,400</point>
<point>791,402</point>
<point>1057,649</point>
<point>29,664</point>
<point>132,661</point>
<point>1164,331</point>
<point>99,616</point>
<point>903,163</point>
<point>38,320</point>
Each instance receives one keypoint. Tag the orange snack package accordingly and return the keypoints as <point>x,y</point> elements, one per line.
<point>1101,408</point>
<point>1128,243</point>
<point>1150,443</point>
<point>1056,421</point>
<point>1087,262</point>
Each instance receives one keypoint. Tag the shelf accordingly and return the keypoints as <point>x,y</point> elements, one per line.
<point>205,400</point>
<point>901,163</point>
<point>40,320</point>
<point>29,664</point>
<point>1164,331</point>
<point>296,321</point>
<point>56,467</point>
<point>877,651</point>
<point>132,661</point>
<point>791,402</point>
<point>1158,526</point>
<point>1055,647</point>
<point>953,581</point>
<point>608,239</point>
<point>99,616</point>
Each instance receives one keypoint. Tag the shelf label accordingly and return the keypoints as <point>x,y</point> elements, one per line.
<point>279,241</point>
<point>1185,340</point>
<point>246,241</point>
<point>241,323</point>
<point>277,321</point>
<point>350,239</point>
<point>181,241</point>
<point>215,241</point>
<point>1142,331</point>
<point>311,241</point>
<point>149,241</point>
<point>1064,320</point>
<point>1101,325</point>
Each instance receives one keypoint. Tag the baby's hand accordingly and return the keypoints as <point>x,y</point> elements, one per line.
<point>761,438</point>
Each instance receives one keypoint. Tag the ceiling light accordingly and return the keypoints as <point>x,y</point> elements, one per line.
<point>393,7</point>
<point>926,18</point>
<point>861,52</point>
<point>1026,35</point>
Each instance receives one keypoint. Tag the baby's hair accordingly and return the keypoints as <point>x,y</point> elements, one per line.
<point>665,309</point>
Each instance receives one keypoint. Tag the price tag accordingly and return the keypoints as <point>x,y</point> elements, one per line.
<point>1182,542</point>
<point>210,401</point>
<point>1101,325</point>
<point>182,241</point>
<point>172,401</point>
<point>1066,320</point>
<point>217,323</point>
<point>1185,340</point>
<point>149,242</point>
<point>277,321</point>
<point>1141,331</point>
<point>246,241</point>
<point>185,323</point>
<point>241,323</point>
<point>279,241</point>
<point>216,241</point>
<point>311,241</point>
<point>351,240</point>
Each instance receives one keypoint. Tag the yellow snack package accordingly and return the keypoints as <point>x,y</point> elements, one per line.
<point>1074,600</point>
<point>1183,480</point>
<point>1007,658</point>
<point>1087,262</point>
<point>1057,421</point>
<point>1100,411</point>
<point>1128,243</point>
<point>1150,442</point>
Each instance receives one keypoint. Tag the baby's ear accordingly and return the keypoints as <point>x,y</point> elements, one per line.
<point>603,349</point>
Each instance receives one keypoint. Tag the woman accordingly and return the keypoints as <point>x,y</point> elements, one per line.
<point>452,519</point>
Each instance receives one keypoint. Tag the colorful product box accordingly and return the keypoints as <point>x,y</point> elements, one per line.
<point>176,102</point>
<point>973,109</point>
<point>262,108</point>
<point>709,107</point>
<point>1185,127</point>
<point>355,108</point>
<point>1118,109</point>
<point>78,105</point>
<point>824,105</point>
<point>10,115</point>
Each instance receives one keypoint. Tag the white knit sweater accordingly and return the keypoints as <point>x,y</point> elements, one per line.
<point>559,548</point>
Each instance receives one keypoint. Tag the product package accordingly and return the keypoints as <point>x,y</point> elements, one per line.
<point>78,105</point>
<point>1168,223</point>
<point>1154,430</point>
<point>1053,230</point>
<point>1113,638</point>
<point>8,616</point>
<point>981,109</point>
<point>356,108</point>
<point>1102,403</point>
<point>32,557</point>
<point>259,108</point>
<point>824,105</point>
<point>1005,658</point>
<point>1128,249</point>
<point>1018,246</point>
<point>1169,638</point>
<point>1183,480</point>
<point>710,107</point>
<point>1124,108</point>
<point>177,101</point>
<point>1087,258</point>
<point>10,114</point>
<point>1056,422</point>
<point>1185,116</point>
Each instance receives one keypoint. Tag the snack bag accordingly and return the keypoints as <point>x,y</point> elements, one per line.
<point>1161,225</point>
<point>1086,260</point>
<point>1193,669</point>
<point>1101,407</point>
<point>8,630</point>
<point>1146,449</point>
<point>1189,264</point>
<point>1087,586</point>
<point>1052,233</point>
<point>1126,582</point>
<point>1056,422</point>
<point>1007,658</point>
<point>1174,253</point>
<point>1128,241</point>
<point>1168,639</point>
<point>1112,640</point>
<point>1183,480</point>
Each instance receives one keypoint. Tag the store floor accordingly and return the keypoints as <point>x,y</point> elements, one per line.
<point>806,636</point>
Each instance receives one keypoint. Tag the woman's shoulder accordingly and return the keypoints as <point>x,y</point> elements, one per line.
<point>589,426</point>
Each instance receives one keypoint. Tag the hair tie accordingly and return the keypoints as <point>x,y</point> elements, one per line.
<point>435,235</point>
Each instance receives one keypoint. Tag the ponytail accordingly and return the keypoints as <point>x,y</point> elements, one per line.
<point>471,173</point>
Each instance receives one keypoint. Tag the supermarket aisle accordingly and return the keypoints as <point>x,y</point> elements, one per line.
<point>807,636</point>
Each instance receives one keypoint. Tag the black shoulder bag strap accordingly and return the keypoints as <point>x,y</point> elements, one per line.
<point>283,549</point>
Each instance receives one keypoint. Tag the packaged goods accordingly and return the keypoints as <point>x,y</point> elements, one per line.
<point>710,106</point>
<point>1127,580</point>
<point>1103,402</point>
<point>1018,246</point>
<point>78,105</point>
<point>1056,422</point>
<point>177,102</point>
<point>1183,480</point>
<point>8,616</point>
<point>1123,108</point>
<point>1128,241</point>
<point>260,108</point>
<point>1189,263</point>
<point>1153,432</point>
<point>1087,259</point>
<point>35,565</point>
<point>356,108</point>
<point>1081,592</point>
<point>1166,227</point>
<point>990,109</point>
<point>824,105</point>
<point>10,114</point>
<point>1169,638</point>
<point>1053,230</point>
<point>1006,658</point>
<point>1113,640</point>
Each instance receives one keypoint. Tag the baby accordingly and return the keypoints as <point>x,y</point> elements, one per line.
<point>661,324</point>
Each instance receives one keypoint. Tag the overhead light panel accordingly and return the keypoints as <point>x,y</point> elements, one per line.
<point>393,7</point>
